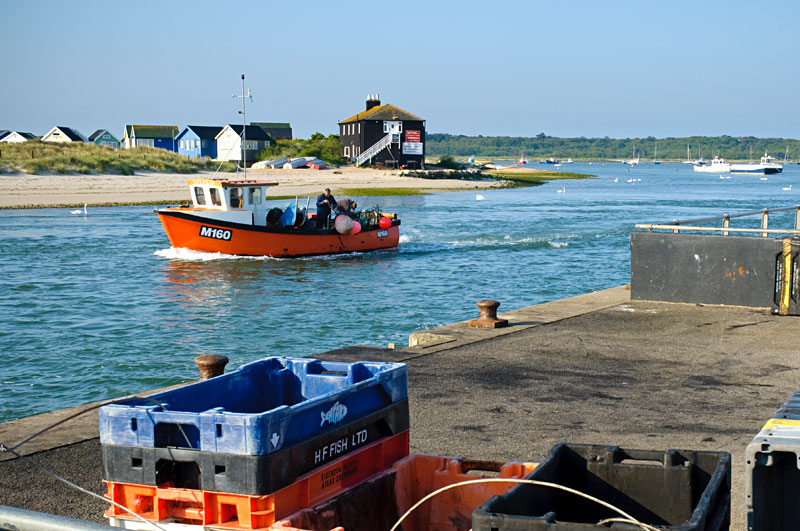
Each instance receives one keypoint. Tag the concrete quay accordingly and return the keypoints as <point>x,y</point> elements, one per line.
<point>597,368</point>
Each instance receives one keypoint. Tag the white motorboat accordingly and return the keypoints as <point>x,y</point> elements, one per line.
<point>717,165</point>
<point>767,166</point>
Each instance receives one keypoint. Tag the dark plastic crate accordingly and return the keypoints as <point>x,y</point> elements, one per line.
<point>675,490</point>
<point>772,478</point>
<point>247,474</point>
<point>257,409</point>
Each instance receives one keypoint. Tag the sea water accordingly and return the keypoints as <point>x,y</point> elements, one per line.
<point>100,306</point>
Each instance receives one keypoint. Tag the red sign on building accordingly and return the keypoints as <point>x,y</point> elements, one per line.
<point>413,136</point>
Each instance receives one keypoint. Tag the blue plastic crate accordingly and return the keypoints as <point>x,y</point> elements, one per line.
<point>257,409</point>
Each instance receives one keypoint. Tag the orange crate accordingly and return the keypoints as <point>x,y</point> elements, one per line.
<point>398,488</point>
<point>238,511</point>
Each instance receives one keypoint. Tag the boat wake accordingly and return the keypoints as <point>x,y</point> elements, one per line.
<point>489,243</point>
<point>179,253</point>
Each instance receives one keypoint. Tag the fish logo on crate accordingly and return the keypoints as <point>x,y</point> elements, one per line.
<point>335,414</point>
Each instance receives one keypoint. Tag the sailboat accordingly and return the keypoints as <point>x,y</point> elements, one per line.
<point>655,157</point>
<point>635,160</point>
<point>688,156</point>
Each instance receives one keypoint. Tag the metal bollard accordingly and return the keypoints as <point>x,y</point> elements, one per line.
<point>488,318</point>
<point>210,365</point>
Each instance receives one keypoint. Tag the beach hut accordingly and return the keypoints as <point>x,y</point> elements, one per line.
<point>102,137</point>
<point>198,141</point>
<point>63,134</point>
<point>277,130</point>
<point>385,134</point>
<point>15,137</point>
<point>229,142</point>
<point>157,136</point>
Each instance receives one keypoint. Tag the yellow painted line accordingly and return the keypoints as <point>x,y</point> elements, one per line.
<point>791,423</point>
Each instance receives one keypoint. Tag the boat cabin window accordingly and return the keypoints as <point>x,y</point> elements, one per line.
<point>199,196</point>
<point>254,196</point>
<point>236,198</point>
<point>215,196</point>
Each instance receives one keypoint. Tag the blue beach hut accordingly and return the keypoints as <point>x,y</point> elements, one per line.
<point>198,141</point>
<point>155,136</point>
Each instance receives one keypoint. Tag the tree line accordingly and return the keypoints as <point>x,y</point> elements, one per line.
<point>542,146</point>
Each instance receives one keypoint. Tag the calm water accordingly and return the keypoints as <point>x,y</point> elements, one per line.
<point>100,306</point>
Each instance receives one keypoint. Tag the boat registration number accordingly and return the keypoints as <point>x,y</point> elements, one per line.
<point>383,233</point>
<point>217,234</point>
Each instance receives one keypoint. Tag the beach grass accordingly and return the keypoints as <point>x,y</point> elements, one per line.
<point>369,192</point>
<point>38,157</point>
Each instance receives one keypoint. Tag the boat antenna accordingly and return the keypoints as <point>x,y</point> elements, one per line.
<point>244,124</point>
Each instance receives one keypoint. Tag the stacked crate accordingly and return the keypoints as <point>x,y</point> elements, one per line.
<point>243,449</point>
<point>772,478</point>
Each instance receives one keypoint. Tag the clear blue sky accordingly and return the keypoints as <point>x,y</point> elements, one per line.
<point>565,68</point>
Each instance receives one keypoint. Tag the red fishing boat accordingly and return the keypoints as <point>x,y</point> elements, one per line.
<point>232,217</point>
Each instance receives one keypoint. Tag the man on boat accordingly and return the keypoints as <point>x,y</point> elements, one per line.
<point>325,202</point>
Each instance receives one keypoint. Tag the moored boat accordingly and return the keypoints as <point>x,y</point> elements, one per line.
<point>717,165</point>
<point>232,217</point>
<point>767,166</point>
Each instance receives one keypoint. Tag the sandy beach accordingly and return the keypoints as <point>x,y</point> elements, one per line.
<point>27,191</point>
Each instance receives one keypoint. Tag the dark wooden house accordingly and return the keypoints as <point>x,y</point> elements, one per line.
<point>383,134</point>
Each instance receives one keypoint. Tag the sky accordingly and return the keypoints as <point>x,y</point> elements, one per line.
<point>621,69</point>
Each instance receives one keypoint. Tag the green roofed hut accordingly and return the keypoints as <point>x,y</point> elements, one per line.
<point>383,134</point>
<point>157,136</point>
<point>277,130</point>
<point>102,137</point>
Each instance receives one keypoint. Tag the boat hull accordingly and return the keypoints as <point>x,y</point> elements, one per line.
<point>755,169</point>
<point>716,168</point>
<point>189,231</point>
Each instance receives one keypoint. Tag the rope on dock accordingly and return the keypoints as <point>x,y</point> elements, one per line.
<point>626,517</point>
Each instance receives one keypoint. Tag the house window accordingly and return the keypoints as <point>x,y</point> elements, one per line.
<point>359,128</point>
<point>385,127</point>
<point>250,144</point>
<point>347,151</point>
<point>197,144</point>
<point>181,145</point>
<point>199,196</point>
<point>399,127</point>
<point>204,143</point>
<point>145,142</point>
<point>254,196</point>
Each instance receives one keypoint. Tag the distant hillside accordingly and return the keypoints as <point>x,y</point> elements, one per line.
<point>542,146</point>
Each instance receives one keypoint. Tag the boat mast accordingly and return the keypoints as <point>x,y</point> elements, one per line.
<point>244,124</point>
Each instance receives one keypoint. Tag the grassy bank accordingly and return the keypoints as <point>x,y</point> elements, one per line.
<point>49,157</point>
<point>518,180</point>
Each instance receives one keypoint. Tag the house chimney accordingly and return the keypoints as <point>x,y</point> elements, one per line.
<point>373,100</point>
